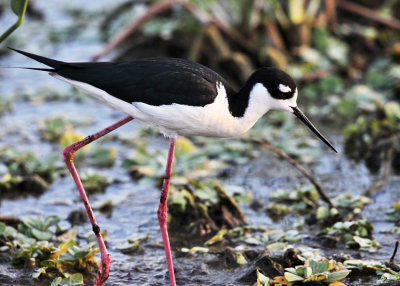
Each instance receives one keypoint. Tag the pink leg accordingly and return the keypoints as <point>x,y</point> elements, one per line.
<point>68,158</point>
<point>162,211</point>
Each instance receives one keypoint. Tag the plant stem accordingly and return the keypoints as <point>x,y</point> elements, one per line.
<point>318,187</point>
<point>16,24</point>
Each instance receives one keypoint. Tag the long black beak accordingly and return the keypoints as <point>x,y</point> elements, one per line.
<point>307,122</point>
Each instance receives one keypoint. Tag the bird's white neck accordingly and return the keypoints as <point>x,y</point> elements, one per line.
<point>258,105</point>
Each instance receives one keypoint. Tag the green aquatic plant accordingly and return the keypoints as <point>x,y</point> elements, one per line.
<point>5,105</point>
<point>346,205</point>
<point>285,201</point>
<point>93,182</point>
<point>205,206</point>
<point>355,234</point>
<point>366,266</point>
<point>38,227</point>
<point>324,271</point>
<point>103,157</point>
<point>34,244</point>
<point>262,280</point>
<point>191,162</point>
<point>255,235</point>
<point>52,129</point>
<point>375,137</point>
<point>393,214</point>
<point>75,279</point>
<point>19,9</point>
<point>24,171</point>
<point>133,245</point>
<point>282,128</point>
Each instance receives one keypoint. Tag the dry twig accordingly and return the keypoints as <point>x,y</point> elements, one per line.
<point>368,13</point>
<point>132,28</point>
<point>158,8</point>
<point>396,246</point>
<point>318,187</point>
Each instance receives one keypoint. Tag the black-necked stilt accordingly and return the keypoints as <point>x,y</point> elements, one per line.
<point>177,97</point>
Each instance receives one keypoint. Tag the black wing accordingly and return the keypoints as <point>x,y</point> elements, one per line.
<point>155,81</point>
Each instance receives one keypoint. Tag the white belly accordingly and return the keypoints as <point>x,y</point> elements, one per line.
<point>210,120</point>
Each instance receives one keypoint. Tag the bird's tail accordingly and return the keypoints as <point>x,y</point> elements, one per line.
<point>46,61</point>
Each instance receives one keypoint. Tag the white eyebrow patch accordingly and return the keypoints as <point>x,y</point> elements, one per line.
<point>284,88</point>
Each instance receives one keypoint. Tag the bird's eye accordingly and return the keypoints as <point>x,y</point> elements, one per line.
<point>281,94</point>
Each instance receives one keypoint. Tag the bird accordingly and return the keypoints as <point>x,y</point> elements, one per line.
<point>177,97</point>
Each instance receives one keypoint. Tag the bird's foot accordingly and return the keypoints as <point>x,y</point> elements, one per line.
<point>104,270</point>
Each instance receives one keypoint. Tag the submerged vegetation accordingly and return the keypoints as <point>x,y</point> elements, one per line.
<point>51,253</point>
<point>237,215</point>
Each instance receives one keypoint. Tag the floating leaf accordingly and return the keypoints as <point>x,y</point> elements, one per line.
<point>52,129</point>
<point>70,137</point>
<point>319,267</point>
<point>183,146</point>
<point>72,280</point>
<point>50,221</point>
<point>93,182</point>
<point>37,272</point>
<point>338,275</point>
<point>217,238</point>
<point>293,277</point>
<point>42,235</point>
<point>199,249</point>
<point>336,283</point>
<point>240,259</point>
<point>103,157</point>
<point>280,280</point>
<point>317,277</point>
<point>323,212</point>
<point>262,280</point>
<point>392,110</point>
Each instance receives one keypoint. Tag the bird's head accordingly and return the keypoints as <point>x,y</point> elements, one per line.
<point>279,92</point>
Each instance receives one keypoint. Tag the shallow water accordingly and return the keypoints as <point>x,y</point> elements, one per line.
<point>136,213</point>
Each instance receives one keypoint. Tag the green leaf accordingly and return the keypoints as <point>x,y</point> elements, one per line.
<point>37,272</point>
<point>34,222</point>
<point>129,248</point>
<point>337,276</point>
<point>49,263</point>
<point>307,271</point>
<point>81,254</point>
<point>240,259</point>
<point>42,235</point>
<point>76,279</point>
<point>2,228</point>
<point>392,110</point>
<point>322,212</point>
<point>104,157</point>
<point>18,7</point>
<point>217,238</point>
<point>70,280</point>
<point>56,281</point>
<point>262,280</point>
<point>296,11</point>
<point>319,267</point>
<point>50,221</point>
<point>293,277</point>
<point>317,277</point>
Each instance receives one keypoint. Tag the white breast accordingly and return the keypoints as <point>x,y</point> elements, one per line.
<point>213,120</point>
